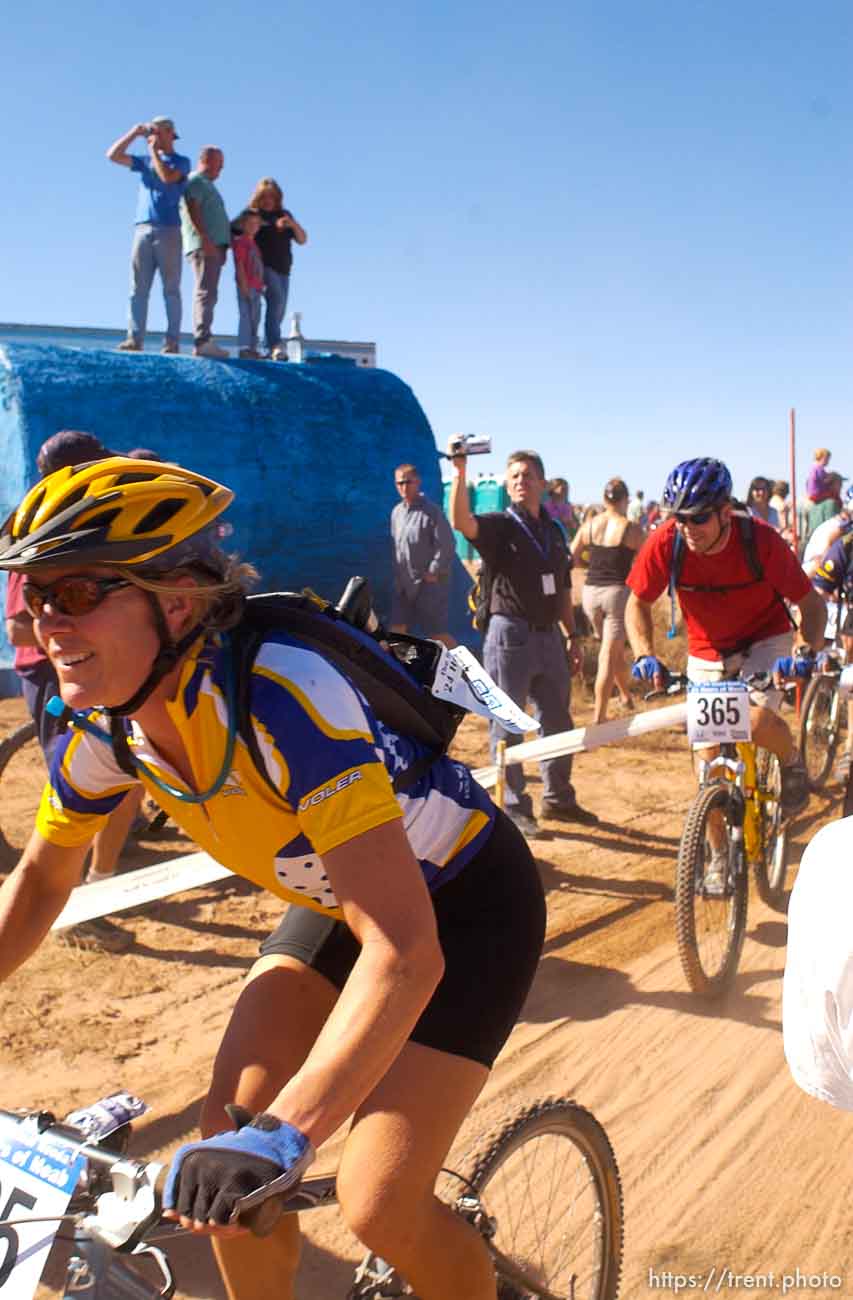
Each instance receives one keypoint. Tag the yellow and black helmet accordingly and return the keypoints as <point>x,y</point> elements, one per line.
<point>118,511</point>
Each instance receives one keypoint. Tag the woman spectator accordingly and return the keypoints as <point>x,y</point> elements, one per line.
<point>758,501</point>
<point>560,508</point>
<point>612,541</point>
<point>278,230</point>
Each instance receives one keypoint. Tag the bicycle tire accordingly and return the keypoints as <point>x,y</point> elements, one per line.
<point>533,1154</point>
<point>709,931</point>
<point>772,867</point>
<point>819,729</point>
<point>9,747</point>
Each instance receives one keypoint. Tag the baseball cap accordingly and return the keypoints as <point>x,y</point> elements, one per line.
<point>164,121</point>
<point>69,447</point>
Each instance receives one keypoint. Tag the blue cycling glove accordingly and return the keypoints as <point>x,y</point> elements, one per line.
<point>801,664</point>
<point>647,668</point>
<point>218,1179</point>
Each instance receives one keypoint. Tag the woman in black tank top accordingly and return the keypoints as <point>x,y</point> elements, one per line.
<point>610,541</point>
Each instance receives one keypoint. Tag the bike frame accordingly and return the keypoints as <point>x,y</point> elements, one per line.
<point>738,764</point>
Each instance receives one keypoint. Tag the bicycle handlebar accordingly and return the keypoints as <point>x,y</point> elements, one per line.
<point>679,682</point>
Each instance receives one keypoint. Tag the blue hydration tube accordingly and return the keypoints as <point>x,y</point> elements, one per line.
<point>82,721</point>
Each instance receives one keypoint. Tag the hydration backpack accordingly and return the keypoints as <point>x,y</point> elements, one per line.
<point>745,526</point>
<point>395,681</point>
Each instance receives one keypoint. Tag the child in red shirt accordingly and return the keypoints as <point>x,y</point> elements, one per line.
<point>249,273</point>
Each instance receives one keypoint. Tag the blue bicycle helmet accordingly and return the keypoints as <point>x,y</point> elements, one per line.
<point>697,485</point>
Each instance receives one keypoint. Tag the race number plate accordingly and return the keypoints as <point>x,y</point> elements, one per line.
<point>37,1176</point>
<point>718,712</point>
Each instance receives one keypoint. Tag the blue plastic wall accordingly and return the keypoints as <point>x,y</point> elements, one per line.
<point>310,451</point>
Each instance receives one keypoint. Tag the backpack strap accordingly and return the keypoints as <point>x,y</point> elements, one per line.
<point>746,530</point>
<point>121,749</point>
<point>246,648</point>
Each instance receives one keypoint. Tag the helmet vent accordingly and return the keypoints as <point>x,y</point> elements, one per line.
<point>24,525</point>
<point>131,477</point>
<point>103,520</point>
<point>159,515</point>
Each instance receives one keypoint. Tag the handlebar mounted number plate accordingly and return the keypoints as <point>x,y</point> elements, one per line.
<point>37,1176</point>
<point>718,712</point>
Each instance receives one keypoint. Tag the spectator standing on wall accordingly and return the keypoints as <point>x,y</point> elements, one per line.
<point>524,650</point>
<point>157,237</point>
<point>39,682</point>
<point>206,234</point>
<point>279,229</point>
<point>422,557</point>
<point>819,478</point>
<point>249,275</point>
<point>827,507</point>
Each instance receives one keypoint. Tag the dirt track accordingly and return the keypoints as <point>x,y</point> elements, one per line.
<point>725,1164</point>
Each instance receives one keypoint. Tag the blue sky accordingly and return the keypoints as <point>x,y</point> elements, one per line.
<point>616,232</point>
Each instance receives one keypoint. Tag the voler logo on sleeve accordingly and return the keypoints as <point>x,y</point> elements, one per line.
<point>326,791</point>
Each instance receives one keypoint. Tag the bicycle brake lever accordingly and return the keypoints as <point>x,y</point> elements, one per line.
<point>160,1259</point>
<point>124,1215</point>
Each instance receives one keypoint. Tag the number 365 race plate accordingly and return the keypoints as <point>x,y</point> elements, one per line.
<point>718,712</point>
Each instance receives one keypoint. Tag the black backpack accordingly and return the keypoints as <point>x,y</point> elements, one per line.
<point>395,681</point>
<point>479,599</point>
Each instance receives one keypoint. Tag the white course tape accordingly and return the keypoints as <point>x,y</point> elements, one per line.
<point>587,738</point>
<point>135,887</point>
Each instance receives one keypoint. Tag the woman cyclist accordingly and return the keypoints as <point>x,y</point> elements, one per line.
<point>385,996</point>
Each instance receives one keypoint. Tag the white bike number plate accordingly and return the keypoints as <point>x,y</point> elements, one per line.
<point>37,1177</point>
<point>718,712</point>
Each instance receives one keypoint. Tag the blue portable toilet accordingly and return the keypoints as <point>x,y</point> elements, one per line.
<point>490,495</point>
<point>464,549</point>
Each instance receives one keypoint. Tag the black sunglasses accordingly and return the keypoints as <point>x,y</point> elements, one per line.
<point>401,482</point>
<point>702,518</point>
<point>73,596</point>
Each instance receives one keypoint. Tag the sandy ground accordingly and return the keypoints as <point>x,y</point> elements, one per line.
<point>725,1165</point>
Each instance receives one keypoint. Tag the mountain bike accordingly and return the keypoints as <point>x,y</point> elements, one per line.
<point>544,1191</point>
<point>22,771</point>
<point>738,802</point>
<point>823,721</point>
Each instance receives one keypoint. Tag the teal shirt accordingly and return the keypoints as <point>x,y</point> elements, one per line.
<point>213,214</point>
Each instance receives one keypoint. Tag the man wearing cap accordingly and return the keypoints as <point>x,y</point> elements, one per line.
<point>157,239</point>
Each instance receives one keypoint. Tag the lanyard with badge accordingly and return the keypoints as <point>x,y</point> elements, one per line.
<point>549,584</point>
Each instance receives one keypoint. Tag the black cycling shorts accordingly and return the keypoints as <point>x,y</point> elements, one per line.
<point>491,925</point>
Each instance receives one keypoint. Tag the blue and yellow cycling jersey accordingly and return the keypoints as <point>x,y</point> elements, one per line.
<point>326,753</point>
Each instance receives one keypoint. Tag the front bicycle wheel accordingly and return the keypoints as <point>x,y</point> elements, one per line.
<point>22,774</point>
<point>709,926</point>
<point>819,729</point>
<point>772,865</point>
<point>546,1193</point>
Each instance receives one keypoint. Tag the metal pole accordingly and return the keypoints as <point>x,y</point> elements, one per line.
<point>792,421</point>
<point>500,757</point>
<point>793,441</point>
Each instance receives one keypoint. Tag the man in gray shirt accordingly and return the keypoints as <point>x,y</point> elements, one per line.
<point>423,553</point>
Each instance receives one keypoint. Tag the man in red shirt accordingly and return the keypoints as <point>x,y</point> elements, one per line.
<point>737,622</point>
